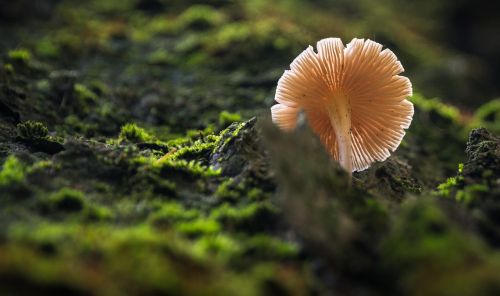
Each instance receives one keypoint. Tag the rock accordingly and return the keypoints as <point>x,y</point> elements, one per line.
<point>483,153</point>
<point>392,179</point>
<point>240,152</point>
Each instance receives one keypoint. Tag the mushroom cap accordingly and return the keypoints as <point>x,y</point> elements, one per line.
<point>361,76</point>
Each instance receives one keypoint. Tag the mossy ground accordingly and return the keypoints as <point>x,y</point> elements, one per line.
<point>132,162</point>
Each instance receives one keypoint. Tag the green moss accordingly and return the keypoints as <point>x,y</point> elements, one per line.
<point>171,213</point>
<point>66,200</point>
<point>43,85</point>
<point>20,55</point>
<point>422,230</point>
<point>85,94</point>
<point>143,30</point>
<point>47,48</point>
<point>161,57</point>
<point>226,118</point>
<point>371,214</point>
<point>164,186</point>
<point>132,133</point>
<point>265,246</point>
<point>153,195</point>
<point>58,255</point>
<point>75,124</point>
<point>436,105</point>
<point>186,157</point>
<point>197,149</point>
<point>192,167</point>
<point>206,133</point>
<point>198,227</point>
<point>470,192</point>
<point>232,249</point>
<point>179,141</point>
<point>99,213</point>
<point>232,33</point>
<point>13,171</point>
<point>255,194</point>
<point>230,191</point>
<point>200,17</point>
<point>444,188</point>
<point>8,68</point>
<point>253,217</point>
<point>32,130</point>
<point>488,116</point>
<point>228,135</point>
<point>40,166</point>
<point>425,246</point>
<point>223,247</point>
<point>452,184</point>
<point>225,192</point>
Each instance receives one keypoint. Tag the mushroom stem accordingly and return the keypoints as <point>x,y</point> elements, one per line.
<point>339,112</point>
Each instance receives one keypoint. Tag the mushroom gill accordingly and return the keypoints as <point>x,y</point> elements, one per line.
<point>352,96</point>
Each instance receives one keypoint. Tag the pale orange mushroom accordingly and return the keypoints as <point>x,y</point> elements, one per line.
<point>352,96</point>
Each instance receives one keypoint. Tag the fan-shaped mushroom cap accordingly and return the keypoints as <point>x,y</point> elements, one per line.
<point>352,96</point>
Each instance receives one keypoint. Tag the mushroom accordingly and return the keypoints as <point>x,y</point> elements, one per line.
<point>352,96</point>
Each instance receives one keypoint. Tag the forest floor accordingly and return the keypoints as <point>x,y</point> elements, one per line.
<point>138,158</point>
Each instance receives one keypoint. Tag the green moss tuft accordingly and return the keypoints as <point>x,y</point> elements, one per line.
<point>132,133</point>
<point>40,166</point>
<point>99,213</point>
<point>450,187</point>
<point>47,48</point>
<point>13,171</point>
<point>488,116</point>
<point>469,193</point>
<point>424,245</point>
<point>67,200</point>
<point>20,55</point>
<point>223,247</point>
<point>74,123</point>
<point>84,94</point>
<point>444,188</point>
<point>8,68</point>
<point>161,57</point>
<point>200,17</point>
<point>435,104</point>
<point>254,217</point>
<point>197,149</point>
<point>226,118</point>
<point>225,191</point>
<point>255,194</point>
<point>198,227</point>
<point>32,130</point>
<point>171,213</point>
<point>267,247</point>
<point>194,168</point>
